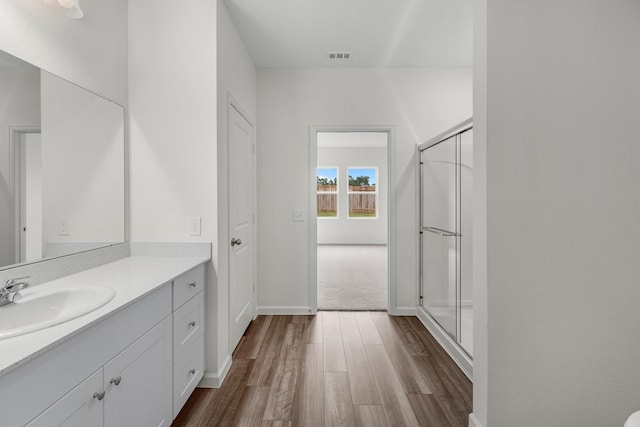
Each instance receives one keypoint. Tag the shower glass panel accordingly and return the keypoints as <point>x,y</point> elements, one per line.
<point>440,280</point>
<point>446,234</point>
<point>439,244</point>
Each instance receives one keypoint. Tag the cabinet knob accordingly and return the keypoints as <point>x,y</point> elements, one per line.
<point>98,395</point>
<point>115,380</point>
<point>192,284</point>
<point>192,371</point>
<point>192,323</point>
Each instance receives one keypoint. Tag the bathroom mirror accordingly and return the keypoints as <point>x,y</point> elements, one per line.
<point>61,167</point>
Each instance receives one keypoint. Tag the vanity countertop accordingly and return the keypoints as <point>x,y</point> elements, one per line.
<point>132,278</point>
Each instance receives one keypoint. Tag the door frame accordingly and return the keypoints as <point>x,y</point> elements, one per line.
<point>391,209</point>
<point>15,135</point>
<point>224,239</point>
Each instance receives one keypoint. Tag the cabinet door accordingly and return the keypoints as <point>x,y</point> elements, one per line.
<point>138,381</point>
<point>81,407</point>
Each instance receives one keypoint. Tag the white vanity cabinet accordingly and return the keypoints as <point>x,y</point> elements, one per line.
<point>188,335</point>
<point>132,389</point>
<point>136,366</point>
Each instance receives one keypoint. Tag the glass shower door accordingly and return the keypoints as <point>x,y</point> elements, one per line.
<point>439,176</point>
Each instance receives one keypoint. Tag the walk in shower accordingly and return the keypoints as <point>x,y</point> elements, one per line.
<point>446,238</point>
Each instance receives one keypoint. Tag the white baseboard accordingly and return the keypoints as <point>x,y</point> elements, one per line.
<point>285,310</point>
<point>458,355</point>
<point>215,379</point>
<point>403,311</point>
<point>473,421</point>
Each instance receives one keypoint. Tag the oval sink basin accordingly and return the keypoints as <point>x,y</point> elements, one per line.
<point>42,309</point>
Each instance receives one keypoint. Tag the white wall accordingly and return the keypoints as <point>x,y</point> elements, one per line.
<point>560,113</point>
<point>419,103</point>
<point>172,75</point>
<point>90,52</point>
<point>344,230</point>
<point>173,126</point>
<point>20,106</point>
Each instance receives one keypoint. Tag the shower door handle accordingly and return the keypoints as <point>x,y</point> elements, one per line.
<point>441,232</point>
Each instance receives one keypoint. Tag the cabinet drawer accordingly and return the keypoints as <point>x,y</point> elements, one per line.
<point>187,372</point>
<point>187,286</point>
<point>188,325</point>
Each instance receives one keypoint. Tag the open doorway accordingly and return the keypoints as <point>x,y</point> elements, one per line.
<point>26,165</point>
<point>352,232</point>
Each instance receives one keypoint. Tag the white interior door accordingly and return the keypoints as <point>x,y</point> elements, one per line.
<point>29,196</point>
<point>241,263</point>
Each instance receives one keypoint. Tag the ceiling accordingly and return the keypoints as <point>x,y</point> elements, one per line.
<point>377,33</point>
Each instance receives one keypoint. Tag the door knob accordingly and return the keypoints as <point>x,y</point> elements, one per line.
<point>235,242</point>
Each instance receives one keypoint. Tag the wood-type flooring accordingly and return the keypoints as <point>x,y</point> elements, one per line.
<point>335,369</point>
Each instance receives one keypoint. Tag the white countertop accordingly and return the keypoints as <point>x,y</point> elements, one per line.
<point>131,278</point>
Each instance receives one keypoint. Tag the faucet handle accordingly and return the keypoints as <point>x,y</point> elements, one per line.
<point>12,281</point>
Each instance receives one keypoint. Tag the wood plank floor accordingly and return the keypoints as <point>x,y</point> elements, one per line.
<point>335,369</point>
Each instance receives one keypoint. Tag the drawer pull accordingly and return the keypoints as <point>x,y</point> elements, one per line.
<point>192,371</point>
<point>115,380</point>
<point>192,323</point>
<point>192,284</point>
<point>98,395</point>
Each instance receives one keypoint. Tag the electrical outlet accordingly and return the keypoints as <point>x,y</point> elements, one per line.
<point>194,226</point>
<point>298,215</point>
<point>63,227</point>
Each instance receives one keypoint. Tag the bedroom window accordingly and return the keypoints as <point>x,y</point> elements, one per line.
<point>327,192</point>
<point>363,192</point>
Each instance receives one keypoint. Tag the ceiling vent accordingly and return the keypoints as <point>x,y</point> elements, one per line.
<point>339,56</point>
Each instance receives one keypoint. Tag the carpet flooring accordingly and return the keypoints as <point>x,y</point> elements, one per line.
<point>352,277</point>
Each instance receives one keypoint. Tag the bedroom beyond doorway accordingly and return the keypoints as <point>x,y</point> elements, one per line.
<point>352,220</point>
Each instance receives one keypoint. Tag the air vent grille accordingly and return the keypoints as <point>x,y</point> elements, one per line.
<point>339,56</point>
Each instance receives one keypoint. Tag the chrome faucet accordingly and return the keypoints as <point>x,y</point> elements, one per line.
<point>11,290</point>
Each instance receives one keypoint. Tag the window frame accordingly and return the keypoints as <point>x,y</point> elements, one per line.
<point>375,193</point>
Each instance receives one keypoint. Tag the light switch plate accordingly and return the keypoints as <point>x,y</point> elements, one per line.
<point>194,226</point>
<point>63,227</point>
<point>298,215</point>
